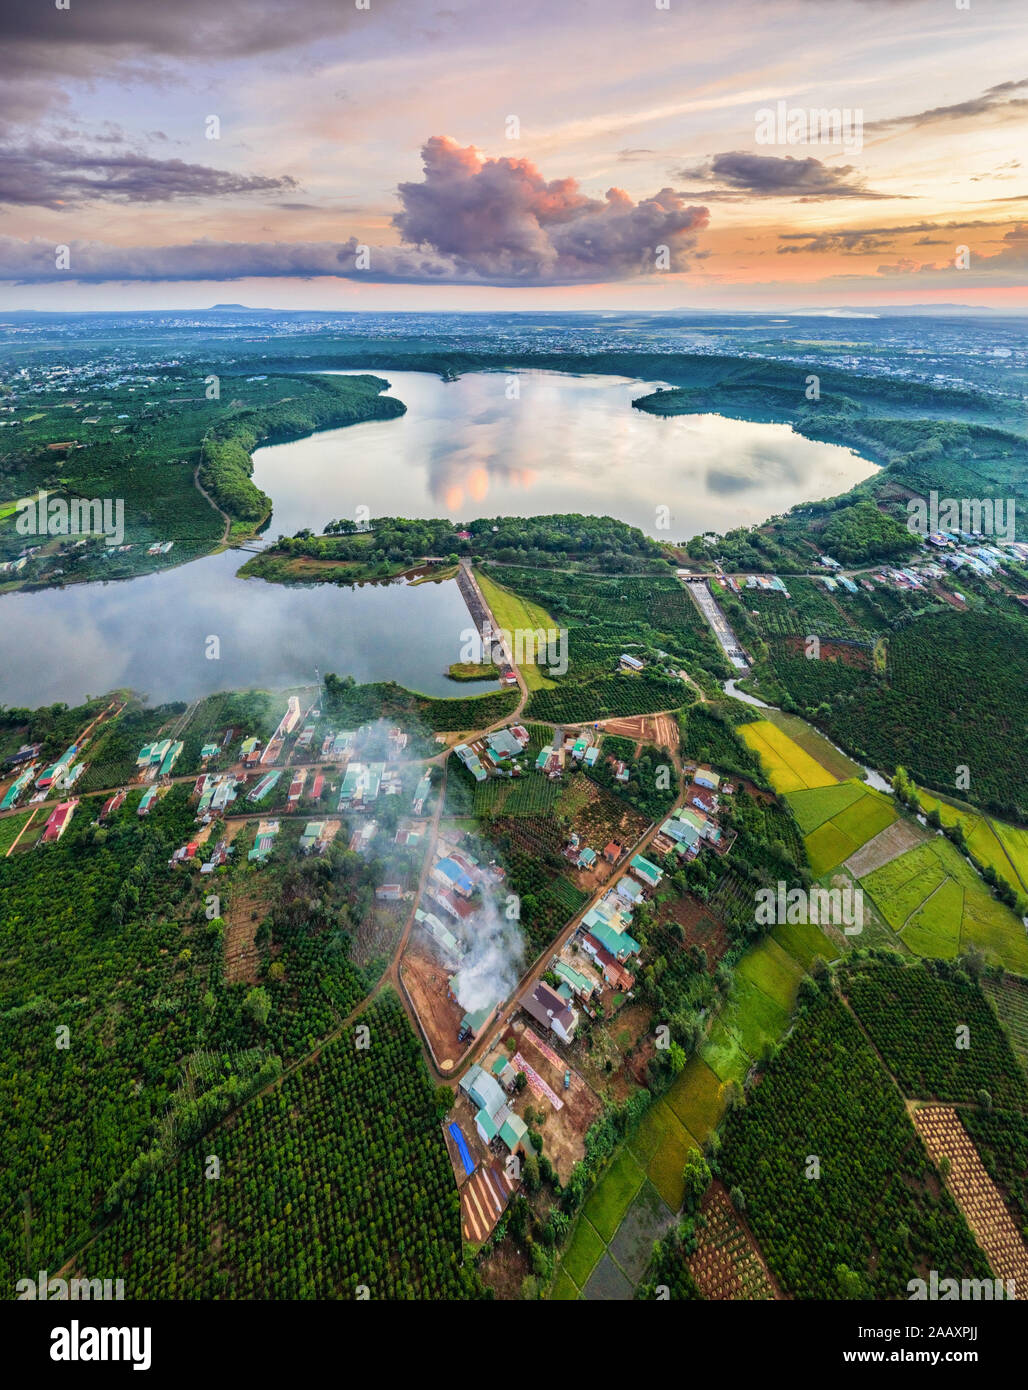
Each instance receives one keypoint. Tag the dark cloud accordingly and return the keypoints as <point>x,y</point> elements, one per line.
<point>858,241</point>
<point>61,175</point>
<point>737,175</point>
<point>994,100</point>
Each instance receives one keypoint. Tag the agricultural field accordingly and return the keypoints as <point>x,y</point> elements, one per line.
<point>727,1263</point>
<point>852,821</point>
<point>11,827</point>
<point>872,1219</point>
<point>788,766</point>
<point>1009,995</point>
<point>811,741</point>
<point>915,1016</point>
<point>995,844</point>
<point>1001,1138</point>
<point>974,1191</point>
<point>939,906</point>
<point>347,1153</point>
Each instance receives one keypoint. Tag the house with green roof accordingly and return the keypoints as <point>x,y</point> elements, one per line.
<point>649,873</point>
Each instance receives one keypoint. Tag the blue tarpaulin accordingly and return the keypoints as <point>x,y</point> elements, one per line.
<point>462,1149</point>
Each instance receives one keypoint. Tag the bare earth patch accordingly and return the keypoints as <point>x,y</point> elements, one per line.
<point>887,845</point>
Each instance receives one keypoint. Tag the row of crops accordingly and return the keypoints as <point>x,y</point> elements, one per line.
<point>336,1179</point>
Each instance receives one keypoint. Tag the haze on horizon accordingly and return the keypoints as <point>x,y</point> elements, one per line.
<point>421,156</point>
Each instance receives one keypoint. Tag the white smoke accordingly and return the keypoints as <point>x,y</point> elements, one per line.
<point>494,952</point>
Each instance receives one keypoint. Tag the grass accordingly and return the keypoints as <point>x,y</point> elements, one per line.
<point>10,829</point>
<point>939,905</point>
<point>583,1253</point>
<point>854,820</point>
<point>814,805</point>
<point>613,1194</point>
<point>788,766</point>
<point>514,613</point>
<point>564,1289</point>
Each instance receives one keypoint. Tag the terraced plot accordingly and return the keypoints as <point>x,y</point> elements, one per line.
<point>994,843</point>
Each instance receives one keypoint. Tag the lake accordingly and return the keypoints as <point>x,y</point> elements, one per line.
<point>564,443</point>
<point>464,449</point>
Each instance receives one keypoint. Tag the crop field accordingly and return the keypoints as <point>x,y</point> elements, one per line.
<point>815,805</point>
<point>975,1193</point>
<point>612,1196</point>
<point>913,1015</point>
<point>995,844</point>
<point>757,1011</point>
<point>514,613</point>
<point>937,903</point>
<point>1001,1138</point>
<point>727,1263</point>
<point>696,1098</point>
<point>10,828</point>
<point>849,829</point>
<point>815,1098</point>
<point>788,766</point>
<point>821,749</point>
<point>1009,997</point>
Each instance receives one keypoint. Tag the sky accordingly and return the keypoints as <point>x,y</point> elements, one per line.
<point>587,154</point>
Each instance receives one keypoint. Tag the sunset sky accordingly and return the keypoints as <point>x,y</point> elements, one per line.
<point>389,128</point>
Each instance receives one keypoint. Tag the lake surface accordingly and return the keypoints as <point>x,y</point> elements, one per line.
<point>464,449</point>
<point>467,449</point>
<point>151,634</point>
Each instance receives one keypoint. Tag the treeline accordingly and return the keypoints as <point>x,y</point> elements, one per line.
<point>319,403</point>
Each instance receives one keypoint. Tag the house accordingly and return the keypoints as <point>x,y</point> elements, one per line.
<point>586,858</point>
<point>630,663</point>
<point>704,777</point>
<point>17,787</point>
<point>209,750</point>
<point>184,854</point>
<point>389,893</point>
<point>619,944</point>
<point>169,759</point>
<point>451,875</point>
<point>592,756</point>
<point>483,1090</point>
<point>262,846</point>
<point>312,834</point>
<point>440,934</point>
<point>111,805</point>
<point>647,873</point>
<point>266,784</point>
<point>504,743</point>
<point>250,749</point>
<point>612,852</point>
<point>318,787</point>
<point>628,889</point>
<point>421,794</point>
<point>471,761</point>
<point>613,971</point>
<point>297,785</point>
<point>580,984</point>
<point>147,800</point>
<point>60,819</point>
<point>703,800</point>
<point>547,1007</point>
<point>514,1133</point>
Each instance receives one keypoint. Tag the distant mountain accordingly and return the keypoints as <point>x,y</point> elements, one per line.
<point>246,307</point>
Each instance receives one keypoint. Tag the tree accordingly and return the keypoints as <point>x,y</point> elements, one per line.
<point>696,1177</point>
<point>258,1005</point>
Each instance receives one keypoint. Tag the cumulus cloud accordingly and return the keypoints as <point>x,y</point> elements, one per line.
<point>501,221</point>
<point>63,175</point>
<point>736,175</point>
<point>469,221</point>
